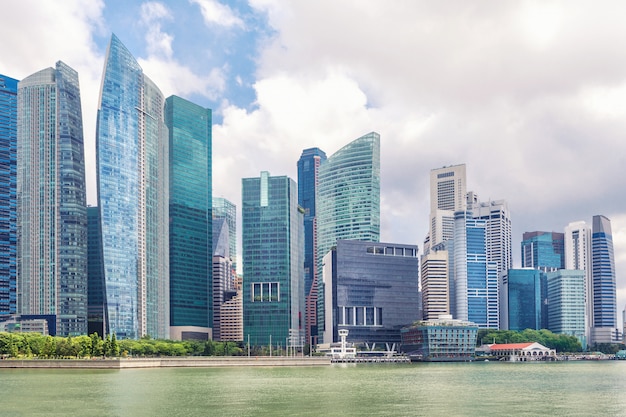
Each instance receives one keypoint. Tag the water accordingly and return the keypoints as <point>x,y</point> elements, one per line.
<point>452,389</point>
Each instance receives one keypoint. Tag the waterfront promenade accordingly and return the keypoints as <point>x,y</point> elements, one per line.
<point>165,362</point>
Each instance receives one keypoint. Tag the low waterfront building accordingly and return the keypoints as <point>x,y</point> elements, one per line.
<point>440,340</point>
<point>523,352</point>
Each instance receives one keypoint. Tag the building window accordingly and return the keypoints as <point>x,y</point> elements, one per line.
<point>265,292</point>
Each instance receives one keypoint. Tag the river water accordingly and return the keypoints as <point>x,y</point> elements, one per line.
<point>437,389</point>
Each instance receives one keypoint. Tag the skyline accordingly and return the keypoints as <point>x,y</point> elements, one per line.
<point>530,96</point>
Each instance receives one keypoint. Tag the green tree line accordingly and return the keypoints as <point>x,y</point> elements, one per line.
<point>558,342</point>
<point>34,345</point>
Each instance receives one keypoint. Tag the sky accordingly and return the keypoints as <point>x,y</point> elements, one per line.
<point>530,95</point>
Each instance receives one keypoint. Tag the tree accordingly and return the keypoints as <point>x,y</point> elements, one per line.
<point>115,348</point>
<point>97,345</point>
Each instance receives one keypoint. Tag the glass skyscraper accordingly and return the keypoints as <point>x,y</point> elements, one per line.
<point>566,303</point>
<point>475,277</point>
<point>604,322</point>
<point>543,250</point>
<point>132,161</point>
<point>273,273</point>
<point>224,209</point>
<point>8,196</point>
<point>347,201</point>
<point>522,300</point>
<point>191,287</point>
<point>96,309</point>
<point>308,170</point>
<point>51,206</point>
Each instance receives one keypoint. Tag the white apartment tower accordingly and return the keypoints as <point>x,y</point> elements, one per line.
<point>577,246</point>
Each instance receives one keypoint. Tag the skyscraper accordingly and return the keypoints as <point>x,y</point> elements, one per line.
<point>132,161</point>
<point>522,300</point>
<point>577,246</point>
<point>566,303</point>
<point>96,308</point>
<point>224,209</point>
<point>448,194</point>
<point>308,170</point>
<point>8,196</point>
<point>223,275</point>
<point>498,235</point>
<point>190,202</point>
<point>475,277</point>
<point>51,206</point>
<point>435,285</point>
<point>543,250</point>
<point>347,200</point>
<point>273,259</point>
<point>604,319</point>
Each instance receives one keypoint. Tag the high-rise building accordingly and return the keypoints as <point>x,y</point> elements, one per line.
<point>51,205</point>
<point>223,274</point>
<point>448,194</point>
<point>308,173</point>
<point>577,248</point>
<point>224,209</point>
<point>604,320</point>
<point>96,307</point>
<point>371,291</point>
<point>435,285</point>
<point>132,172</point>
<point>273,261</point>
<point>231,314</point>
<point>8,195</point>
<point>190,203</point>
<point>566,303</point>
<point>498,235</point>
<point>347,201</point>
<point>475,276</point>
<point>521,300</point>
<point>543,250</point>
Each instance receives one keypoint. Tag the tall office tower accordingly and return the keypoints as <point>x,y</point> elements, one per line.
<point>308,170</point>
<point>448,194</point>
<point>498,236</point>
<point>604,320</point>
<point>223,276</point>
<point>577,248</point>
<point>475,277</point>
<point>190,202</point>
<point>96,307</point>
<point>231,314</point>
<point>51,206</point>
<point>521,300</point>
<point>566,303</point>
<point>224,209</point>
<point>371,291</point>
<point>132,172</point>
<point>543,250</point>
<point>8,196</point>
<point>273,261</point>
<point>347,201</point>
<point>435,285</point>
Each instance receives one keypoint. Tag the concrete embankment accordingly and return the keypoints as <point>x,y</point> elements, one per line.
<point>172,362</point>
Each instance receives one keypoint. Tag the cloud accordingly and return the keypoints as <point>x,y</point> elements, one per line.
<point>218,14</point>
<point>160,65</point>
<point>158,42</point>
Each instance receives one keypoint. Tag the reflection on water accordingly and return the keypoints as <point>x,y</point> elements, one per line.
<point>463,389</point>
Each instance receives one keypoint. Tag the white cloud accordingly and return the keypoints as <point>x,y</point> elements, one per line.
<point>158,42</point>
<point>216,13</point>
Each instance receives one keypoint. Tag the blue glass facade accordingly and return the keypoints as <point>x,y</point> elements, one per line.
<point>273,275</point>
<point>52,212</point>
<point>96,310</point>
<point>8,197</point>
<point>189,127</point>
<point>308,169</point>
<point>131,157</point>
<point>225,209</point>
<point>371,290</point>
<point>475,278</point>
<point>603,274</point>
<point>566,303</point>
<point>543,250</point>
<point>347,201</point>
<point>524,299</point>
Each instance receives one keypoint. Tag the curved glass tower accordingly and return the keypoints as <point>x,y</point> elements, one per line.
<point>347,201</point>
<point>52,211</point>
<point>603,276</point>
<point>131,156</point>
